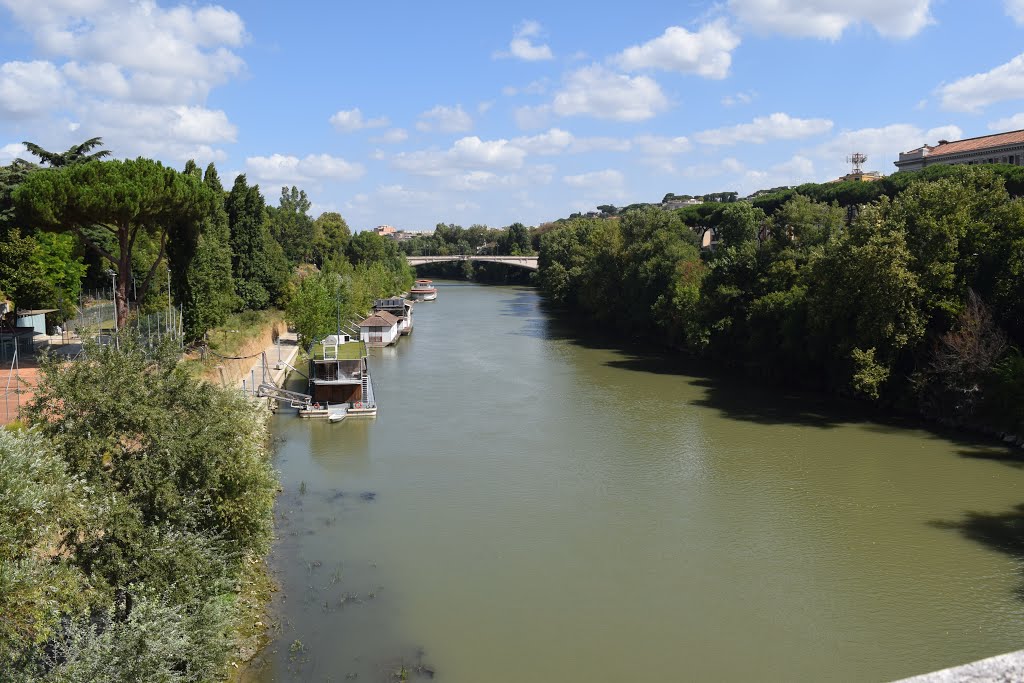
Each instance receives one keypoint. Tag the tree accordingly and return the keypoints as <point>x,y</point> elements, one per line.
<point>291,225</point>
<point>738,222</point>
<point>330,237</point>
<point>203,267</point>
<point>314,305</point>
<point>76,154</point>
<point>260,269</point>
<point>126,199</point>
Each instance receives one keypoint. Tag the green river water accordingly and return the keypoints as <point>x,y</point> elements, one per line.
<point>529,507</point>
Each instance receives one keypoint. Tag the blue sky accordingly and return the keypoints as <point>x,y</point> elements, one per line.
<point>416,113</point>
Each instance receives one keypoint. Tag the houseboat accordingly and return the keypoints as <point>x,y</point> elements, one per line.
<point>399,308</point>
<point>339,379</point>
<point>379,330</point>
<point>423,290</point>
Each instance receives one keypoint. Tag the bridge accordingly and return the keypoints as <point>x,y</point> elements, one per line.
<point>527,262</point>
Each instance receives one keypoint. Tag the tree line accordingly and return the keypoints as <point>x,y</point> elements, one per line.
<point>76,217</point>
<point>906,292</point>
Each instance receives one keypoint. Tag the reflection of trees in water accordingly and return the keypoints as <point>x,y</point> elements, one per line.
<point>1001,531</point>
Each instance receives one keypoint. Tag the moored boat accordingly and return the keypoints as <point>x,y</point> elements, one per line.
<point>423,290</point>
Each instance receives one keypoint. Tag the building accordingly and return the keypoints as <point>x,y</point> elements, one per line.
<point>380,329</point>
<point>384,230</point>
<point>1001,148</point>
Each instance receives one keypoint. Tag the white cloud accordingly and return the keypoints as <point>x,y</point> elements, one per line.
<point>828,19</point>
<point>136,73</point>
<point>469,153</point>
<point>292,170</point>
<point>708,52</point>
<point>557,141</point>
<point>12,151</point>
<point>523,46</point>
<point>185,124</point>
<point>881,145</point>
<point>445,120</point>
<point>739,98</point>
<point>176,51</point>
<point>393,136</point>
<point>532,117</point>
<point>653,145</point>
<point>660,152</point>
<point>1015,8</point>
<point>973,93</point>
<point>609,179</point>
<point>349,120</point>
<point>28,89</point>
<point>596,91</point>
<point>777,126</point>
<point>484,106</point>
<point>103,78</point>
<point>537,87</point>
<point>948,133</point>
<point>1015,122</point>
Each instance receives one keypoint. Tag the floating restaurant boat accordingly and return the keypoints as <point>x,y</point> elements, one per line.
<point>423,290</point>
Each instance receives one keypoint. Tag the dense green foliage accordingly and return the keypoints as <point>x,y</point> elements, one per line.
<point>912,298</point>
<point>130,511</point>
<point>127,199</point>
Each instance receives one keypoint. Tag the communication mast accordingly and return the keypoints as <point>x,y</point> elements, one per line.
<point>856,159</point>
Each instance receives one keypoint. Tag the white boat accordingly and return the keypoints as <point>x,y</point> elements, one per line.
<point>337,417</point>
<point>423,290</point>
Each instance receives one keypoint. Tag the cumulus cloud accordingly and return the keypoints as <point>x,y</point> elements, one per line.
<point>11,151</point>
<point>523,45</point>
<point>601,93</point>
<point>1015,122</point>
<point>739,98</point>
<point>707,52</point>
<point>292,170</point>
<point>608,179</point>
<point>391,137</point>
<point>188,49</point>
<point>350,120</point>
<point>557,141</point>
<point>137,74</point>
<point>881,145</point>
<point>1015,8</point>
<point>828,19</point>
<point>762,129</point>
<point>445,120</point>
<point>974,93</point>
<point>469,153</point>
<point>537,87</point>
<point>532,117</point>
<point>28,89</point>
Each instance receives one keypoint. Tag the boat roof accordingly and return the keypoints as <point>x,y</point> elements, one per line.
<point>354,350</point>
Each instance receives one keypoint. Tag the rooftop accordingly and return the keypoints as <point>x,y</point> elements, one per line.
<point>379,319</point>
<point>1013,137</point>
<point>354,350</point>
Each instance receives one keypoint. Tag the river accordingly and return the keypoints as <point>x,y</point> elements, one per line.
<point>530,507</point>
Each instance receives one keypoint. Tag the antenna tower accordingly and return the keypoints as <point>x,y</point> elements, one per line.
<point>856,159</point>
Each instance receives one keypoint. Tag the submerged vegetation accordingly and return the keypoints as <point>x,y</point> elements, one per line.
<point>907,293</point>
